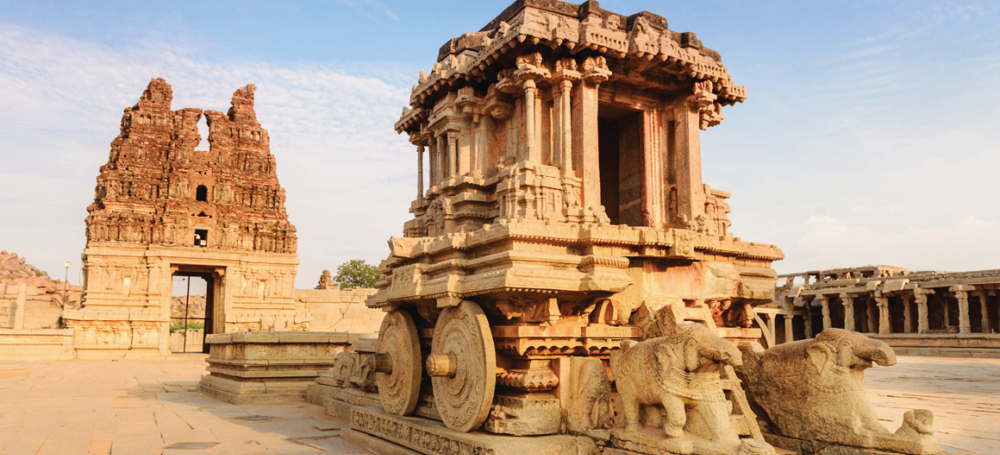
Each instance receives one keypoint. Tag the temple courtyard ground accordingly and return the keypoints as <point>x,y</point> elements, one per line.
<point>152,406</point>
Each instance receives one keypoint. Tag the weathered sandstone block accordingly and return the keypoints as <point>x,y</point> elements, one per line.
<point>259,367</point>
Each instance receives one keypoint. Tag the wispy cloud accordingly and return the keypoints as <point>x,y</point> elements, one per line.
<point>346,172</point>
<point>959,246</point>
<point>367,6</point>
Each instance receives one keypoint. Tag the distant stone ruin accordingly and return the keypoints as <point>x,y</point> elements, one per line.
<point>915,312</point>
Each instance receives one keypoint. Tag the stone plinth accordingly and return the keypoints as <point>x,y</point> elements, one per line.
<point>387,433</point>
<point>261,367</point>
<point>36,344</point>
<point>973,345</point>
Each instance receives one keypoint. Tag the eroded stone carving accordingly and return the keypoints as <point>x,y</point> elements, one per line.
<point>813,390</point>
<point>326,281</point>
<point>672,383</point>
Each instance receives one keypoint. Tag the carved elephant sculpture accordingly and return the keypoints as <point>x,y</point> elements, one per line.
<point>814,390</point>
<point>680,372</point>
<point>351,371</point>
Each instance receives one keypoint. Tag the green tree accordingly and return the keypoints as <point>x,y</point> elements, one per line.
<point>357,273</point>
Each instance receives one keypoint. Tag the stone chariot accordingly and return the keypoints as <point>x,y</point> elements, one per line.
<point>565,210</point>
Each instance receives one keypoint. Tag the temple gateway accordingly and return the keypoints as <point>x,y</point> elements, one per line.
<point>163,209</point>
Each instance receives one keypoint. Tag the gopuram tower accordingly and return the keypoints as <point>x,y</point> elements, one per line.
<point>560,211</point>
<point>163,209</point>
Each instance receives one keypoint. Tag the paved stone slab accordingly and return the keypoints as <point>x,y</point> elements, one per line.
<point>116,416</point>
<point>964,395</point>
<point>110,407</point>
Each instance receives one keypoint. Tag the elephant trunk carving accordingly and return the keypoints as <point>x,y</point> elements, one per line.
<point>881,354</point>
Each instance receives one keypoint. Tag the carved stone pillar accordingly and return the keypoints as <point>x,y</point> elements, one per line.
<point>789,306</point>
<point>17,316</point>
<point>870,304</point>
<point>530,135</point>
<point>420,172</point>
<point>453,168</point>
<point>585,143</point>
<point>824,303</point>
<point>947,314</point>
<point>848,301</point>
<point>984,310</point>
<point>907,314</point>
<point>687,161</point>
<point>962,295</point>
<point>884,319</point>
<point>920,297</point>
<point>770,320</point>
<point>809,318</point>
<point>567,126</point>
<point>439,160</point>
<point>656,152</point>
<point>558,115</point>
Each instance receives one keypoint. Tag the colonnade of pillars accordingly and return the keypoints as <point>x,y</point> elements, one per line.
<point>465,141</point>
<point>878,312</point>
<point>446,157</point>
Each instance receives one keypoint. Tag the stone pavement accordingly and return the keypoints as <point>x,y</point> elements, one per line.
<point>151,406</point>
<point>963,393</point>
<point>147,406</point>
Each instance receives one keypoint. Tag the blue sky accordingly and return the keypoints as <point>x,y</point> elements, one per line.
<point>871,133</point>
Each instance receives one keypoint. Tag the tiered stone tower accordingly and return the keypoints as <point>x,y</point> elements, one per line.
<point>163,208</point>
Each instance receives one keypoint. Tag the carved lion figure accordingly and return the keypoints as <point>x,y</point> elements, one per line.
<point>814,390</point>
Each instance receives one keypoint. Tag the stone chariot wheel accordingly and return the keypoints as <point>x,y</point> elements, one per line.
<point>397,363</point>
<point>462,366</point>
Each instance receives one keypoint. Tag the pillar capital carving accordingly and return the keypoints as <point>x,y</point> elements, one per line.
<point>420,139</point>
<point>565,72</point>
<point>963,288</point>
<point>921,293</point>
<point>530,68</point>
<point>595,69</point>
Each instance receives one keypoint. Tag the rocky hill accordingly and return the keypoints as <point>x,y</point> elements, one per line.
<point>196,310</point>
<point>16,270</point>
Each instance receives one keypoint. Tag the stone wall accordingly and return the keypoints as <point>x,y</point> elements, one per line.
<point>336,310</point>
<point>23,307</point>
<point>194,340</point>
